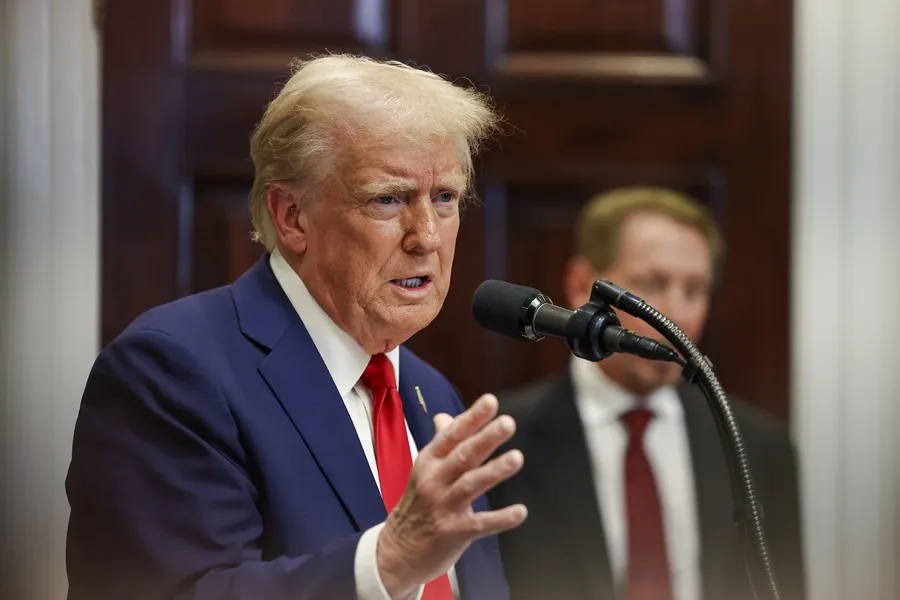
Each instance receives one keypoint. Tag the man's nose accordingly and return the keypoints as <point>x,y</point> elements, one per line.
<point>674,304</point>
<point>421,228</point>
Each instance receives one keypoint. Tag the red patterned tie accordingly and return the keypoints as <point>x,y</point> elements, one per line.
<point>392,453</point>
<point>648,566</point>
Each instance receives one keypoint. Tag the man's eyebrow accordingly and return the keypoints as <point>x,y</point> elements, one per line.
<point>401,185</point>
<point>387,185</point>
<point>456,183</point>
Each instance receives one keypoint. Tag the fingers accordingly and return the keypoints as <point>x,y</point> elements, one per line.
<point>441,421</point>
<point>478,481</point>
<point>475,449</point>
<point>491,522</point>
<point>450,435</point>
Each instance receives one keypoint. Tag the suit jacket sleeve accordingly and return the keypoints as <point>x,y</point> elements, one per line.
<point>162,504</point>
<point>782,519</point>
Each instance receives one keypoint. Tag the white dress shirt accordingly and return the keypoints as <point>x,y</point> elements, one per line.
<point>346,361</point>
<point>600,404</point>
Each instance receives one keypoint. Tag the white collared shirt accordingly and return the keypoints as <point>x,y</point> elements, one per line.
<point>600,404</point>
<point>346,361</point>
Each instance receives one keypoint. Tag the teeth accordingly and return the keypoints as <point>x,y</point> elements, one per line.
<point>412,282</point>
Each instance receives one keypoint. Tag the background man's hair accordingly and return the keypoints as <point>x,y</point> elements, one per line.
<point>336,107</point>
<point>599,224</point>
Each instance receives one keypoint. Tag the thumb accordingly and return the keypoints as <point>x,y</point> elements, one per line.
<point>442,421</point>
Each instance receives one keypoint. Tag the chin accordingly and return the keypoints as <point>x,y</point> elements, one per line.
<point>649,377</point>
<point>410,320</point>
<point>662,376</point>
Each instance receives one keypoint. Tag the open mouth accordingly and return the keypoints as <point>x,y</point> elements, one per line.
<point>412,283</point>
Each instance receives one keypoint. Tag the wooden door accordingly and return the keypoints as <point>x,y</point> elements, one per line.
<point>693,94</point>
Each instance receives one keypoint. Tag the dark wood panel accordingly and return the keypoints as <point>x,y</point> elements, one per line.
<point>755,358</point>
<point>639,26</point>
<point>644,41</point>
<point>221,246</point>
<point>141,139</point>
<point>291,25</point>
<point>222,109</point>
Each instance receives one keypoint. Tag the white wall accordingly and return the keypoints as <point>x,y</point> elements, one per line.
<point>49,273</point>
<point>846,297</point>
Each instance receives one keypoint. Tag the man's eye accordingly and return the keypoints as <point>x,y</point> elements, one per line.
<point>385,200</point>
<point>447,197</point>
<point>650,284</point>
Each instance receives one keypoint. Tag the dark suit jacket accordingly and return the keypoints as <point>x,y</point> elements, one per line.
<point>214,459</point>
<point>560,550</point>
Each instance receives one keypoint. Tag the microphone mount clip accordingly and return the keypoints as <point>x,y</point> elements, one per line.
<point>584,329</point>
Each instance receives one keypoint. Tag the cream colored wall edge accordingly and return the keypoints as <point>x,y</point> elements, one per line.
<point>49,270</point>
<point>846,299</point>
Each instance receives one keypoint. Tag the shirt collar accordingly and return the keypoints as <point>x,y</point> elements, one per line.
<point>344,358</point>
<point>600,400</point>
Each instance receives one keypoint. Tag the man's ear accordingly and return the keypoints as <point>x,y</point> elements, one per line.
<point>578,279</point>
<point>288,218</point>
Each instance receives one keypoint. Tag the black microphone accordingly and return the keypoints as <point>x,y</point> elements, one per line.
<point>593,331</point>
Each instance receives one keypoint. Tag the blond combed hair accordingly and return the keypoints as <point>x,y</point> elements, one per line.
<point>337,107</point>
<point>599,224</point>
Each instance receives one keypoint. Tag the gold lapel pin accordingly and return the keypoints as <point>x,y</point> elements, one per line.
<point>421,400</point>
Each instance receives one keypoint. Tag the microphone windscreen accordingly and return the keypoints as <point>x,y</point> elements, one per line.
<point>500,306</point>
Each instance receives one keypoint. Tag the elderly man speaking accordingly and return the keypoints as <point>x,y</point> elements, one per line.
<point>269,440</point>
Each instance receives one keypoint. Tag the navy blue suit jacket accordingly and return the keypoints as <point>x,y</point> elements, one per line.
<point>214,459</point>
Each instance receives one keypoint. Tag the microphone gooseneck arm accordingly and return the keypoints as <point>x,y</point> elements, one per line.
<point>748,514</point>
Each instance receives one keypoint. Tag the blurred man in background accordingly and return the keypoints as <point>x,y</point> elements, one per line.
<point>625,479</point>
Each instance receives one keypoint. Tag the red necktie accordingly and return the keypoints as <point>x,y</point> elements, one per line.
<point>648,566</point>
<point>392,453</point>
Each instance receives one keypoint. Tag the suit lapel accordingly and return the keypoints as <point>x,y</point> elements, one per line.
<point>298,376</point>
<point>713,493</point>
<point>300,380</point>
<point>419,421</point>
<point>563,467</point>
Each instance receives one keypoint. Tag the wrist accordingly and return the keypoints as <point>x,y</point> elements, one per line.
<point>392,567</point>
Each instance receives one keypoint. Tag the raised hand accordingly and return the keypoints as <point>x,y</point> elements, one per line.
<point>434,523</point>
